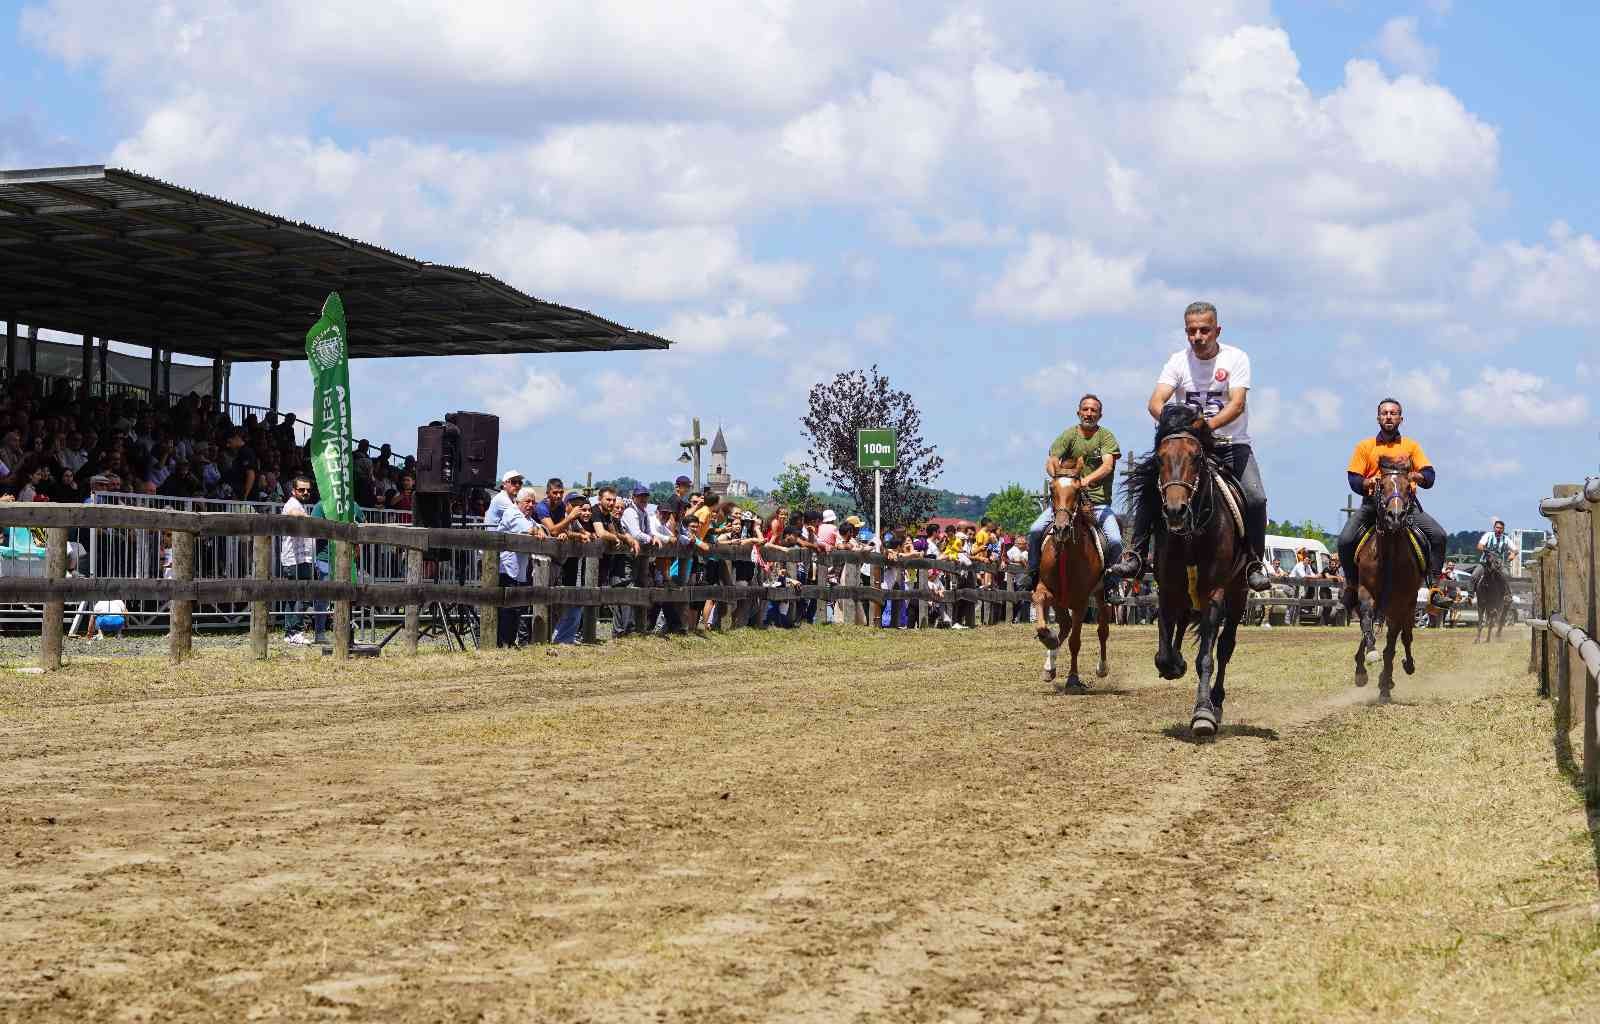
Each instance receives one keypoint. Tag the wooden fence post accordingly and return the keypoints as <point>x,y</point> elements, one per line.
<point>488,614</point>
<point>1547,576</point>
<point>260,569</point>
<point>180,623</point>
<point>343,558</point>
<point>413,608</point>
<point>54,609</point>
<point>589,576</point>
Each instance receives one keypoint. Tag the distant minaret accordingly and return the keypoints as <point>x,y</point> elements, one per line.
<point>719,478</point>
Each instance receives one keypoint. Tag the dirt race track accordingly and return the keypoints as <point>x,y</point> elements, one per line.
<point>832,824</point>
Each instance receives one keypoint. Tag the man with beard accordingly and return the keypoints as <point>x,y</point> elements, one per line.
<point>1362,475</point>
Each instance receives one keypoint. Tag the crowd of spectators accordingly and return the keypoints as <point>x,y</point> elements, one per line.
<point>59,445</point>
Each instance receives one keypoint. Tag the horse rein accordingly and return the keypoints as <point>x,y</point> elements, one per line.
<point>1405,495</point>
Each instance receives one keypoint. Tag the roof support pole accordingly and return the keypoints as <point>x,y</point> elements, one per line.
<point>216,378</point>
<point>88,365</point>
<point>105,346</point>
<point>166,374</point>
<point>33,349</point>
<point>272,395</point>
<point>155,373</point>
<point>11,349</point>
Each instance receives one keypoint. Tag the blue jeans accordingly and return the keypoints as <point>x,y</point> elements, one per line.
<point>566,631</point>
<point>1105,517</point>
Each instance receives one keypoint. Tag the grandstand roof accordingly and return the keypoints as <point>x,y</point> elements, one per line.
<point>112,253</point>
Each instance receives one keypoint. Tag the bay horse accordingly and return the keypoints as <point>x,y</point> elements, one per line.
<point>1389,574</point>
<point>1070,568</point>
<point>1200,556</point>
<point>1492,596</point>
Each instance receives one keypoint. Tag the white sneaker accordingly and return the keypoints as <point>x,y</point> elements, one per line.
<point>299,639</point>
<point>959,626</point>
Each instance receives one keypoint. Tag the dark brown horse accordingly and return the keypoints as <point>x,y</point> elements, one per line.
<point>1386,565</point>
<point>1070,567</point>
<point>1492,595</point>
<point>1200,558</point>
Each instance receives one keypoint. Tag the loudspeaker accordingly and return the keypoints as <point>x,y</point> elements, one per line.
<point>436,459</point>
<point>479,448</point>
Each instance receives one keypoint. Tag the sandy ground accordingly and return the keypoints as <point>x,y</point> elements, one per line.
<point>845,826</point>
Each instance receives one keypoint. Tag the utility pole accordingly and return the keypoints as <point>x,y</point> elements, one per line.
<point>691,450</point>
<point>1349,506</point>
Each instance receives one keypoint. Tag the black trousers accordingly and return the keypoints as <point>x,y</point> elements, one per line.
<point>1366,515</point>
<point>506,619</point>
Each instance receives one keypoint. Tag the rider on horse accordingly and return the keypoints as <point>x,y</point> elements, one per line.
<point>1362,475</point>
<point>1492,545</point>
<point>1213,379</point>
<point>1096,450</point>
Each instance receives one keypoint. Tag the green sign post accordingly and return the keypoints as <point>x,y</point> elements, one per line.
<point>876,450</point>
<point>328,354</point>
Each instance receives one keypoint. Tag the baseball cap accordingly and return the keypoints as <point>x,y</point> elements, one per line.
<point>682,481</point>
<point>509,475</point>
<point>575,497</point>
<point>641,489</point>
<point>854,521</point>
<point>829,515</point>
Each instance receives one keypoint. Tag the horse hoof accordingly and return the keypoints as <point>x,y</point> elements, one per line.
<point>1385,694</point>
<point>1361,677</point>
<point>1203,724</point>
<point>1048,676</point>
<point>1410,666</point>
<point>1102,670</point>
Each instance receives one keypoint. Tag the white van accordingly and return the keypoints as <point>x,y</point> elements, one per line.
<point>1280,551</point>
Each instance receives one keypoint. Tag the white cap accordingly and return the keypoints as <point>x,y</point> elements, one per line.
<point>828,515</point>
<point>509,474</point>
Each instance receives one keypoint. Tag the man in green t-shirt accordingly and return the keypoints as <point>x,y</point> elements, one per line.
<point>1096,450</point>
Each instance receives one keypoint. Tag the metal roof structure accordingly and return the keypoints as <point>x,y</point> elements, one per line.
<point>112,253</point>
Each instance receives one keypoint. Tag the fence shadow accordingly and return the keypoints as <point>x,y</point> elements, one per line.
<point>1570,770</point>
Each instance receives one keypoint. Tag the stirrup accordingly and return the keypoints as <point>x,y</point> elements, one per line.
<point>1128,566</point>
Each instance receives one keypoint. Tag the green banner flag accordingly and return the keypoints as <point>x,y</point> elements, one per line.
<point>328,353</point>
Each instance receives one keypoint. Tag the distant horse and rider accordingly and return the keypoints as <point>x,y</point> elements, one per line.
<point>1071,565</point>
<point>1492,595</point>
<point>1390,562</point>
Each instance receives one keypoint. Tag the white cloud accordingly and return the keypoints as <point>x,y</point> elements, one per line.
<point>875,329</point>
<point>655,265</point>
<point>903,229</point>
<point>1482,468</point>
<point>1400,45</point>
<point>1058,278</point>
<point>737,327</point>
<point>1515,398</point>
<point>519,394</point>
<point>1553,282</point>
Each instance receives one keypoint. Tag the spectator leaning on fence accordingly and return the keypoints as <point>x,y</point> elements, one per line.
<point>298,556</point>
<point>615,569</point>
<point>575,529</point>
<point>505,499</point>
<point>514,564</point>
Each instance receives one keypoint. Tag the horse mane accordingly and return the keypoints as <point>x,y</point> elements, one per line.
<point>1141,485</point>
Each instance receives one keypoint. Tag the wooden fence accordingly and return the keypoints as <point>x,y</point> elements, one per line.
<point>862,594</point>
<point>1563,651</point>
<point>974,605</point>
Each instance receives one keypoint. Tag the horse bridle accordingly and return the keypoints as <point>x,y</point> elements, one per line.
<point>1202,481</point>
<point>1069,531</point>
<point>1405,496</point>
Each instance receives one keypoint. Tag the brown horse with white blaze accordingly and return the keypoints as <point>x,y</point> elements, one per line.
<point>1070,567</point>
<point>1386,564</point>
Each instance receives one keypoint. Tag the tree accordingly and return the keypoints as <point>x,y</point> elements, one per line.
<point>1307,529</point>
<point>1013,508</point>
<point>793,488</point>
<point>661,490</point>
<point>856,400</point>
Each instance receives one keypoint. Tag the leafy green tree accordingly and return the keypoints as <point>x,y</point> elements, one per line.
<point>1014,508</point>
<point>660,491</point>
<point>1308,529</point>
<point>793,488</point>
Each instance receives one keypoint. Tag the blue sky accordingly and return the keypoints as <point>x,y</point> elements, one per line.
<point>1001,206</point>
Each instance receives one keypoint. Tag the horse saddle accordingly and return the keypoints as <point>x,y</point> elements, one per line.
<point>1233,497</point>
<point>1418,545</point>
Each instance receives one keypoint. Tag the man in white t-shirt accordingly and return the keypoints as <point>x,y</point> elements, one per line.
<point>1212,379</point>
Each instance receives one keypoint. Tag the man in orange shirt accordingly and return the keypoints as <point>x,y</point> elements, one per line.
<point>1362,475</point>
